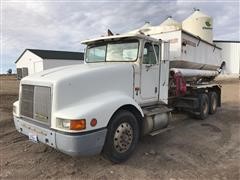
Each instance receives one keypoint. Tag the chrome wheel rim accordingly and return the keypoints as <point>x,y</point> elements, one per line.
<point>123,137</point>
<point>205,110</point>
<point>214,104</point>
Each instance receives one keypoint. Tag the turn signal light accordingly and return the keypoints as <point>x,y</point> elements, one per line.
<point>77,124</point>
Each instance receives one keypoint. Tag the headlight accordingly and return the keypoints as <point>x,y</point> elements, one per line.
<point>16,108</point>
<point>71,124</point>
<point>66,124</point>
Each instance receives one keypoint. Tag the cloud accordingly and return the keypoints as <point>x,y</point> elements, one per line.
<point>62,25</point>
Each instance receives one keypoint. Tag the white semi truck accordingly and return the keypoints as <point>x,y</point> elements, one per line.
<point>127,88</point>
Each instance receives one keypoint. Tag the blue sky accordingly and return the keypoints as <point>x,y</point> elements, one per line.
<point>62,25</point>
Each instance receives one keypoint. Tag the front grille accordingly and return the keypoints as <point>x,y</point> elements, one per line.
<point>27,101</point>
<point>42,103</point>
<point>36,103</point>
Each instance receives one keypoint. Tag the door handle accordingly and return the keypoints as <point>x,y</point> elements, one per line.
<point>148,66</point>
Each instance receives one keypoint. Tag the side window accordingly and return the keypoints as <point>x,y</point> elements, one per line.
<point>24,71</point>
<point>149,55</point>
<point>19,73</point>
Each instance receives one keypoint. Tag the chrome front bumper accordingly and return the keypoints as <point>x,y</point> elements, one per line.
<point>73,144</point>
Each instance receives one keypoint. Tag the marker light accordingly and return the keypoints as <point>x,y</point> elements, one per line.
<point>93,122</point>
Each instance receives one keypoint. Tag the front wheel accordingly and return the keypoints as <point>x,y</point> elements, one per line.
<point>122,137</point>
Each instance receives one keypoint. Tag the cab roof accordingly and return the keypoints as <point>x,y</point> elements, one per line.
<point>118,37</point>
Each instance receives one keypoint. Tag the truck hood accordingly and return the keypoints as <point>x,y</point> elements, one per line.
<point>52,76</point>
<point>71,85</point>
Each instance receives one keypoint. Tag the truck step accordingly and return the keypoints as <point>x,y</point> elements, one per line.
<point>154,133</point>
<point>157,109</point>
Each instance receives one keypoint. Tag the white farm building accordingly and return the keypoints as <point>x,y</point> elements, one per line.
<point>231,55</point>
<point>35,60</point>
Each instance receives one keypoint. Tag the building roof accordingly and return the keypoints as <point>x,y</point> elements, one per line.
<point>225,41</point>
<point>50,54</point>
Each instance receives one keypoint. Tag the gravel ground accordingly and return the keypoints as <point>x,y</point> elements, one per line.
<point>194,149</point>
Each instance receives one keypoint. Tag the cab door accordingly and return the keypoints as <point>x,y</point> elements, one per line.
<point>150,73</point>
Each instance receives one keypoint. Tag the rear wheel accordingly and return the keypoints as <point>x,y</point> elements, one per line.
<point>203,106</point>
<point>122,137</point>
<point>213,101</point>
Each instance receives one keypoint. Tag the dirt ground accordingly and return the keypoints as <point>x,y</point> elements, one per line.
<point>194,149</point>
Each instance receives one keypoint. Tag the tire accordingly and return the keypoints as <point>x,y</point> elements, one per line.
<point>122,137</point>
<point>203,106</point>
<point>213,102</point>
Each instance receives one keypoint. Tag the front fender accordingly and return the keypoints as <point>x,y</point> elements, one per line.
<point>100,107</point>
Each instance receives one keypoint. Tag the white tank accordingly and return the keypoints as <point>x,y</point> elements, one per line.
<point>170,25</point>
<point>166,26</point>
<point>200,25</point>
<point>145,28</point>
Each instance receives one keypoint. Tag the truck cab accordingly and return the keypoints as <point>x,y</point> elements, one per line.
<point>102,106</point>
<point>147,56</point>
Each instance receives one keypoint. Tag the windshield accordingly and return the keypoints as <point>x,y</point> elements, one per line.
<point>113,51</point>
